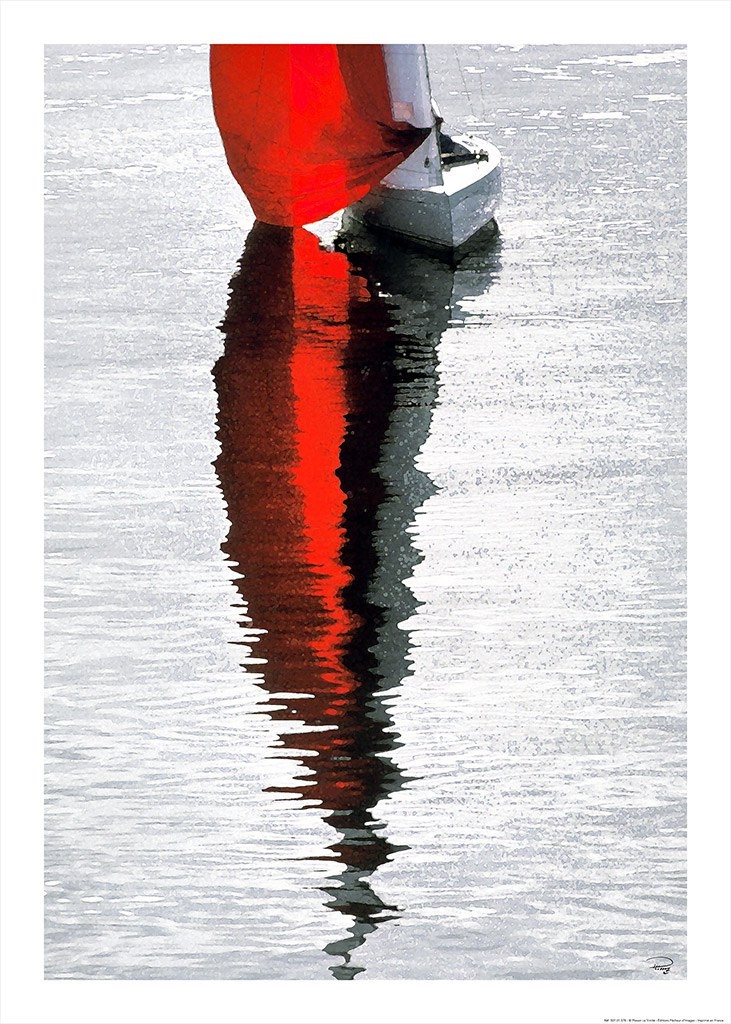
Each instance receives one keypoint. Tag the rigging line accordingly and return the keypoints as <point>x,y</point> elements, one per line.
<point>480,76</point>
<point>464,83</point>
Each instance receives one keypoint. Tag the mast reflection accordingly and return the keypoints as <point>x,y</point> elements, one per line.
<point>325,393</point>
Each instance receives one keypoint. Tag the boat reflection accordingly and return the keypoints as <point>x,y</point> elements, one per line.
<point>325,394</point>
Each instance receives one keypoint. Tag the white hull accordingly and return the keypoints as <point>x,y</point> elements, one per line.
<point>444,216</point>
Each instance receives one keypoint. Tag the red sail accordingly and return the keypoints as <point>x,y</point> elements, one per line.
<point>307,129</point>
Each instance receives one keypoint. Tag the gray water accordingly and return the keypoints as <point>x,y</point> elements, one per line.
<point>508,641</point>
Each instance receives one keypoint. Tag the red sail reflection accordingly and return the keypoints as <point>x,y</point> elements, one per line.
<point>309,387</point>
<point>283,406</point>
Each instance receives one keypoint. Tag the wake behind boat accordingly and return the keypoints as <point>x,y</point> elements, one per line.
<point>312,129</point>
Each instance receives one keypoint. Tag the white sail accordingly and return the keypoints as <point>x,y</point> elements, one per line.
<point>447,191</point>
<point>411,100</point>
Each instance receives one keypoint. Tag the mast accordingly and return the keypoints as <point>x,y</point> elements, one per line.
<point>411,101</point>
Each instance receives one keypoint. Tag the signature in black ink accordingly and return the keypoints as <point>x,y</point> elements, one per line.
<point>660,963</point>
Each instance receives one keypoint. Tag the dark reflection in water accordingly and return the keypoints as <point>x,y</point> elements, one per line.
<point>325,394</point>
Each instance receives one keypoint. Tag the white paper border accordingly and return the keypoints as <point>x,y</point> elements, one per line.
<point>27,25</point>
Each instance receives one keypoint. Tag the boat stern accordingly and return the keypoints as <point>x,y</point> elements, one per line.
<point>446,216</point>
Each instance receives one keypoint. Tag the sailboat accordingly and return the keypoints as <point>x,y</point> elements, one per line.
<point>311,129</point>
